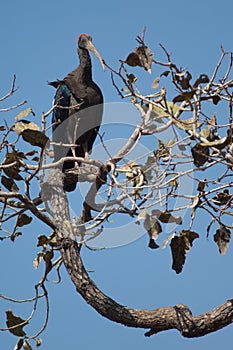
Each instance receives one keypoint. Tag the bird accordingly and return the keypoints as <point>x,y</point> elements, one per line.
<point>78,110</point>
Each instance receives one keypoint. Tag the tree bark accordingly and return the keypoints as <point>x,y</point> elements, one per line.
<point>161,319</point>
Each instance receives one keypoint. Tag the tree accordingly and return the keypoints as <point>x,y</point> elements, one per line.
<point>148,191</point>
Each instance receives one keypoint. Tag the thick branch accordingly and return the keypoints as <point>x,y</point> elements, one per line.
<point>172,317</point>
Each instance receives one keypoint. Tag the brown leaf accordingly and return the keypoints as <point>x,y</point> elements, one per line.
<point>185,96</point>
<point>31,153</point>
<point>23,219</point>
<point>216,99</point>
<point>133,60</point>
<point>203,79</point>
<point>167,217</point>
<point>19,344</point>
<point>132,79</point>
<point>35,138</point>
<point>165,74</point>
<point>184,82</point>
<point>153,229</point>
<point>9,184</point>
<point>12,320</point>
<point>222,198</point>
<point>42,240</point>
<point>155,83</point>
<point>38,342</point>
<point>27,346</point>
<point>200,154</point>
<point>37,260</point>
<point>48,256</point>
<point>201,186</point>
<point>222,237</point>
<point>14,235</point>
<point>180,246</point>
<point>12,171</point>
<point>145,56</point>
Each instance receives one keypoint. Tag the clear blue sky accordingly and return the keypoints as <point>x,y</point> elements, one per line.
<point>38,44</point>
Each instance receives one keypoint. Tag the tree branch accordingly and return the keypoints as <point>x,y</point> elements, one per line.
<point>172,317</point>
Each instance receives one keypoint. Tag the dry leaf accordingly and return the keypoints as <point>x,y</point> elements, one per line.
<point>12,171</point>
<point>35,138</point>
<point>9,184</point>
<point>153,229</point>
<point>222,237</point>
<point>42,240</point>
<point>180,246</point>
<point>155,83</point>
<point>166,217</point>
<point>12,320</point>
<point>23,220</point>
<point>24,113</point>
<point>200,154</point>
<point>22,125</point>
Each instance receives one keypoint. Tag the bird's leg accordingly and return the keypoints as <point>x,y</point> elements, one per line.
<point>76,165</point>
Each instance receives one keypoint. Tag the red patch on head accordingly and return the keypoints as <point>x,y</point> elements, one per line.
<point>80,35</point>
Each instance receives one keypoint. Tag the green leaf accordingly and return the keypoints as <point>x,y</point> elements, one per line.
<point>171,107</point>
<point>187,124</point>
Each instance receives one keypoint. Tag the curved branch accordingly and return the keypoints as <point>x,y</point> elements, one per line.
<point>171,317</point>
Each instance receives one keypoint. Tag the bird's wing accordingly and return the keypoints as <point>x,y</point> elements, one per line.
<point>59,117</point>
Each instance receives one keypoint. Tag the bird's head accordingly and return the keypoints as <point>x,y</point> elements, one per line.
<point>85,42</point>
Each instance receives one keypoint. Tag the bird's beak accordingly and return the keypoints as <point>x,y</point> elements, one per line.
<point>92,48</point>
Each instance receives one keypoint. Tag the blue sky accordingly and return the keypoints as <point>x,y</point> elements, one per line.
<point>38,44</point>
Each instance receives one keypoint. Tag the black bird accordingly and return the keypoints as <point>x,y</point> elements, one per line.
<point>79,107</point>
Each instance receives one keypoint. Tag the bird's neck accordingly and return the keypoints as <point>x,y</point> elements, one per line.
<point>85,64</point>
